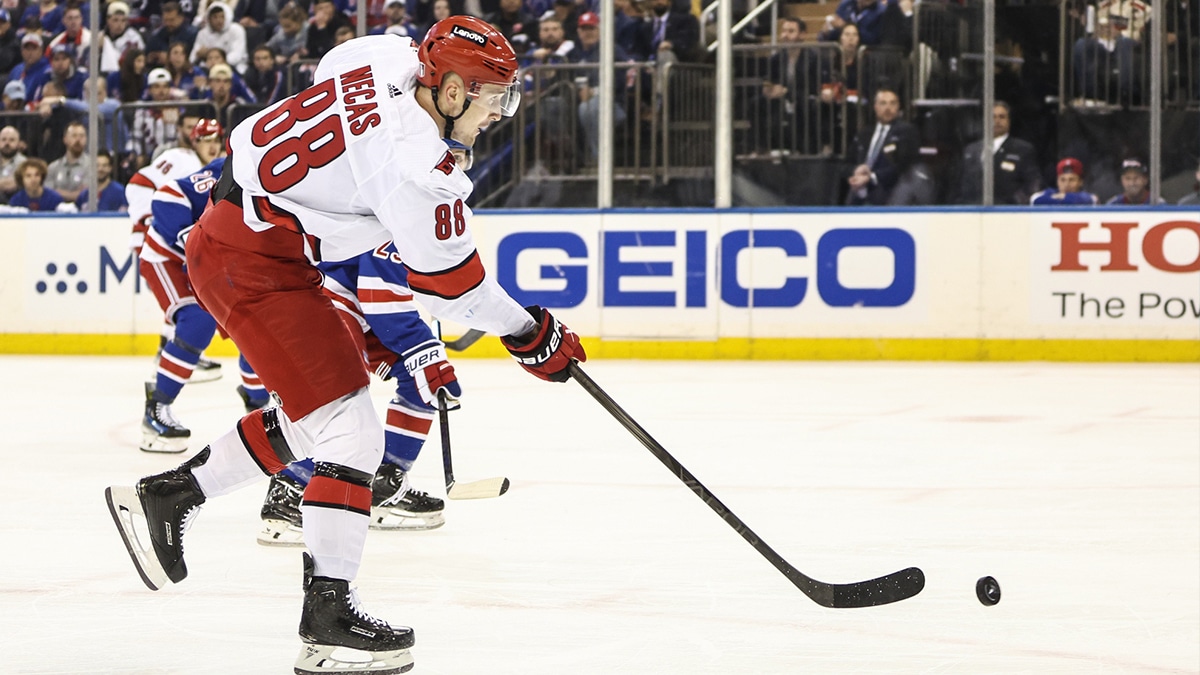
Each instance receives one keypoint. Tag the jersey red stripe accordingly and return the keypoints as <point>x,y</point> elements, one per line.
<point>139,179</point>
<point>382,295</point>
<point>254,435</point>
<point>337,494</point>
<point>450,284</point>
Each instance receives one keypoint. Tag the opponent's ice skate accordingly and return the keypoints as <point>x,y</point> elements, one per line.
<point>251,404</point>
<point>161,432</point>
<point>167,502</point>
<point>339,637</point>
<point>206,370</point>
<point>282,523</point>
<point>395,505</point>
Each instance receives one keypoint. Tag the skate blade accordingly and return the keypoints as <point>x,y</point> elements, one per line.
<point>205,375</point>
<point>322,659</point>
<point>384,518</point>
<point>280,533</point>
<point>123,504</point>
<point>152,442</point>
<point>480,489</point>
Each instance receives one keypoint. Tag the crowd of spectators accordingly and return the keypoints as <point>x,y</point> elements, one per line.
<point>159,59</point>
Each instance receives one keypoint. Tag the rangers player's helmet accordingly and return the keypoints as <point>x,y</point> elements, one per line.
<point>205,128</point>
<point>477,52</point>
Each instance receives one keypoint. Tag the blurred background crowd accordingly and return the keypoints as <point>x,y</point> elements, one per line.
<point>855,102</point>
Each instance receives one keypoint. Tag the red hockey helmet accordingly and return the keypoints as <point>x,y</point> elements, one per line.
<point>205,128</point>
<point>477,52</point>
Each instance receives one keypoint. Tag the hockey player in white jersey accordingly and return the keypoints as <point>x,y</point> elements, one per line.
<point>197,148</point>
<point>356,160</point>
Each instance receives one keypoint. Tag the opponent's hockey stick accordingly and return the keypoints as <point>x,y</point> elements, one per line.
<point>466,340</point>
<point>891,588</point>
<point>480,489</point>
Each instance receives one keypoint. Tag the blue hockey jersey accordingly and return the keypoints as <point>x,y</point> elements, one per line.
<point>1052,197</point>
<point>175,208</point>
<point>373,288</point>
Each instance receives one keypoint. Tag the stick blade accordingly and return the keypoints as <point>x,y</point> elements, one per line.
<point>885,590</point>
<point>480,489</point>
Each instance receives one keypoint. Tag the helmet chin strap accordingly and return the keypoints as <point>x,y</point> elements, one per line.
<point>449,121</point>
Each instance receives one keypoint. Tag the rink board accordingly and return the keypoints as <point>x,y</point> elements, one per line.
<point>1094,284</point>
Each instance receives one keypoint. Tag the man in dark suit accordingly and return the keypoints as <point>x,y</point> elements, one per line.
<point>1015,173</point>
<point>675,31</point>
<point>790,89</point>
<point>883,152</point>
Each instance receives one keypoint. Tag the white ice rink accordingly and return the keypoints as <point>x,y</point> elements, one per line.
<point>1076,486</point>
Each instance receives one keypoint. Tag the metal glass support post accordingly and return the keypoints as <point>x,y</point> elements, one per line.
<point>989,99</point>
<point>96,81</point>
<point>606,136</point>
<point>723,152</point>
<point>1156,99</point>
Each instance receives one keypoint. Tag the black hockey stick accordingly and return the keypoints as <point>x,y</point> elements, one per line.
<point>480,489</point>
<point>886,589</point>
<point>466,340</point>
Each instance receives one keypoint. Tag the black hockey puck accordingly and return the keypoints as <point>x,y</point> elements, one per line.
<point>988,591</point>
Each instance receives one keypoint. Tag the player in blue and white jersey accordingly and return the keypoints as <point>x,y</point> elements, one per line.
<point>371,290</point>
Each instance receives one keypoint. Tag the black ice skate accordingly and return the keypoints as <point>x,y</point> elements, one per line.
<point>161,432</point>
<point>282,523</point>
<point>206,370</point>
<point>339,637</point>
<point>395,505</point>
<point>251,404</point>
<point>168,502</point>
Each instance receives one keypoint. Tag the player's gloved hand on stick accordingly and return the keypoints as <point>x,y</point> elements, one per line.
<point>430,370</point>
<point>547,351</point>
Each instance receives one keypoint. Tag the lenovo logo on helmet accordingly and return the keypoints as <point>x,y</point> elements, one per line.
<point>469,34</point>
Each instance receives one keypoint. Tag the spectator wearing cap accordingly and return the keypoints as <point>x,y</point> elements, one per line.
<point>588,51</point>
<point>31,191</point>
<point>74,35</point>
<point>63,72</point>
<point>111,193</point>
<point>11,159</point>
<point>33,63</point>
<point>119,37</point>
<point>14,95</point>
<point>221,31</point>
<point>153,127</point>
<point>519,26</point>
<point>47,13</point>
<point>1194,197</point>
<point>68,174</point>
<point>175,28</point>
<point>220,92</point>
<point>215,57</point>
<point>397,21</point>
<point>1070,190</point>
<point>1135,184</point>
<point>10,44</point>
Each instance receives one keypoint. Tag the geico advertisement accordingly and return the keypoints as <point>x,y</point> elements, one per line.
<point>1113,268</point>
<point>688,275</point>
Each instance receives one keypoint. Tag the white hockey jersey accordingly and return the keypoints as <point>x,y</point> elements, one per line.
<point>353,162</point>
<point>168,167</point>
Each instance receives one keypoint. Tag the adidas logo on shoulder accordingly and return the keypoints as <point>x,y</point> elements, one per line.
<point>394,91</point>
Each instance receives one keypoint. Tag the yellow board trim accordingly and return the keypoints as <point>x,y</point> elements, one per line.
<point>782,349</point>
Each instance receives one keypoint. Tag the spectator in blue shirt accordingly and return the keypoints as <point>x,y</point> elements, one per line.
<point>32,194</point>
<point>63,71</point>
<point>112,193</point>
<point>48,12</point>
<point>175,28</point>
<point>1070,188</point>
<point>866,14</point>
<point>33,63</point>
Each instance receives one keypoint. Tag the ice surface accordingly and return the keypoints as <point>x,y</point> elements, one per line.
<point>1076,486</point>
